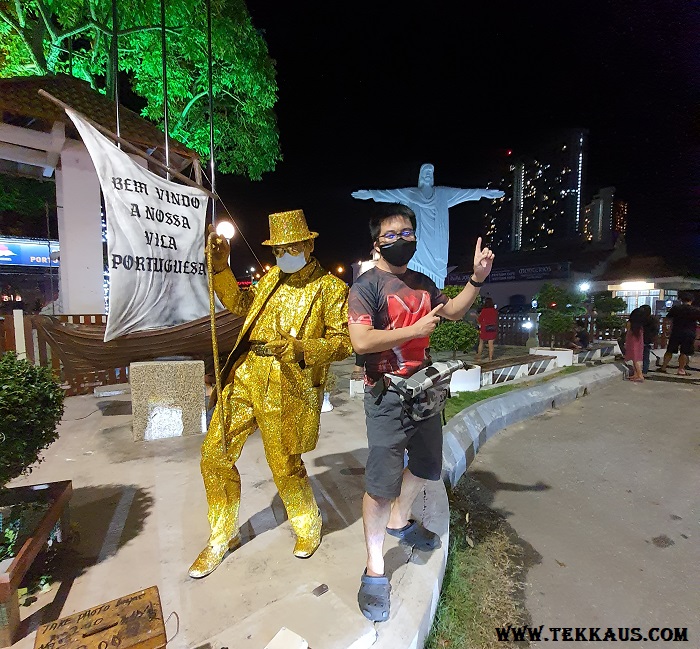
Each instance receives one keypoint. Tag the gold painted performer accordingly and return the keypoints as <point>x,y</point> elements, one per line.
<point>295,326</point>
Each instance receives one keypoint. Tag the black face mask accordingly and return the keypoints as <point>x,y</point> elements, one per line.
<point>398,253</point>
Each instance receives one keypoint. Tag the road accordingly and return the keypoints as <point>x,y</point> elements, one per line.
<point>604,495</point>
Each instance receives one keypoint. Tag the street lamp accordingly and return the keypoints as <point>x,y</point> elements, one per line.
<point>225,229</point>
<point>584,286</point>
<point>340,270</point>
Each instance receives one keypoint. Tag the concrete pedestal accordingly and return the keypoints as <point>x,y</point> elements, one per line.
<point>565,357</point>
<point>167,399</point>
<point>357,388</point>
<point>467,380</point>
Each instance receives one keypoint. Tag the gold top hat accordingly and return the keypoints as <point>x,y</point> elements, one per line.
<point>288,227</point>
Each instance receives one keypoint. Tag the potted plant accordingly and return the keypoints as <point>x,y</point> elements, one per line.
<point>454,336</point>
<point>31,406</point>
<point>457,336</point>
<point>558,308</point>
<point>329,386</point>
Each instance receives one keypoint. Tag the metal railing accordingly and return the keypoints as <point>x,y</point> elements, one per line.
<point>512,330</point>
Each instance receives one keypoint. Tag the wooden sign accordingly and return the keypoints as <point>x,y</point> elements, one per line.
<point>131,622</point>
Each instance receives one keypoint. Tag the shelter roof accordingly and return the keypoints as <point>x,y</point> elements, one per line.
<point>21,105</point>
<point>641,267</point>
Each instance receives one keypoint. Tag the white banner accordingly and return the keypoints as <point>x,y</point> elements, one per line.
<point>155,242</point>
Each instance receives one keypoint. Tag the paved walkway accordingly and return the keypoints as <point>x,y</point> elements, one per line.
<point>140,510</point>
<point>612,529</point>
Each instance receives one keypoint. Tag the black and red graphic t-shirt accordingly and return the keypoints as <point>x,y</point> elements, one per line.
<point>386,301</point>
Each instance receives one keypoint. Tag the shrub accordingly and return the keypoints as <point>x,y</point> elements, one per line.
<point>558,308</point>
<point>31,405</point>
<point>454,336</point>
<point>607,306</point>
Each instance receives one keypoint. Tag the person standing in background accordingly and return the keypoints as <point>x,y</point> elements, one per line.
<point>488,328</point>
<point>684,319</point>
<point>634,344</point>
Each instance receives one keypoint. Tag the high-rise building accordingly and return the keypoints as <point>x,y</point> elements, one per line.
<point>542,204</point>
<point>598,221</point>
<point>620,217</point>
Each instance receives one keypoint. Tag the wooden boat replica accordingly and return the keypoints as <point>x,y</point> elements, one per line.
<point>81,347</point>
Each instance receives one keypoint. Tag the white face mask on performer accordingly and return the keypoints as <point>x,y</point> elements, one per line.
<point>291,263</point>
<point>292,257</point>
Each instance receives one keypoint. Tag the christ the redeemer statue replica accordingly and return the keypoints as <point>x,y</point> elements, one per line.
<point>431,205</point>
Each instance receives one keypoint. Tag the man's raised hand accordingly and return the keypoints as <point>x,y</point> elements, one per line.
<point>362,194</point>
<point>426,325</point>
<point>483,261</point>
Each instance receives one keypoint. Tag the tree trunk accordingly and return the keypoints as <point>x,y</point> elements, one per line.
<point>36,45</point>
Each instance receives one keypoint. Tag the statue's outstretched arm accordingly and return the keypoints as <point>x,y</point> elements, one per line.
<point>383,195</point>
<point>457,196</point>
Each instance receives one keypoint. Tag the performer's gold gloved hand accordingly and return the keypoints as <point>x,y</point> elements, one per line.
<point>220,250</point>
<point>286,349</point>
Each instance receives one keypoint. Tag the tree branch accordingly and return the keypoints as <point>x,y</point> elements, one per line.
<point>147,28</point>
<point>238,99</point>
<point>186,109</point>
<point>92,24</point>
<point>30,38</point>
<point>21,16</point>
<point>11,23</point>
<point>47,22</point>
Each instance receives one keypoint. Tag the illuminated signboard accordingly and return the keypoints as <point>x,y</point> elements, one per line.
<point>28,252</point>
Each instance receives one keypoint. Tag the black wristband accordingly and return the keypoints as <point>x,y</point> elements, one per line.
<point>474,283</point>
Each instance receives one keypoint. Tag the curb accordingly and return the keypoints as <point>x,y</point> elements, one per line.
<point>415,597</point>
<point>467,431</point>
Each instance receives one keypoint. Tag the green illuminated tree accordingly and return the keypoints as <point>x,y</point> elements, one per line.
<point>39,37</point>
<point>607,307</point>
<point>557,307</point>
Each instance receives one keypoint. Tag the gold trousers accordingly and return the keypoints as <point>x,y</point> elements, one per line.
<point>253,401</point>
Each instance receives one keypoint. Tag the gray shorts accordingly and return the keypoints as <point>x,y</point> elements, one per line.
<point>390,432</point>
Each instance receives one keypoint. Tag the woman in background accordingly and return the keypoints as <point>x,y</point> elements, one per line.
<point>634,343</point>
<point>488,327</point>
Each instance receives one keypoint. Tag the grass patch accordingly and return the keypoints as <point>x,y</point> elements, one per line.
<point>482,588</point>
<point>570,369</point>
<point>465,399</point>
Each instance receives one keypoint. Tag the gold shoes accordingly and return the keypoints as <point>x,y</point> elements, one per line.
<point>211,557</point>
<point>308,541</point>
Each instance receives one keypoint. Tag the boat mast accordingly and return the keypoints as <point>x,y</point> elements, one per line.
<point>211,114</point>
<point>164,54</point>
<point>115,66</point>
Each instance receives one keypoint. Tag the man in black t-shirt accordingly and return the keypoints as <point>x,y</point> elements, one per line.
<point>391,313</point>
<point>684,318</point>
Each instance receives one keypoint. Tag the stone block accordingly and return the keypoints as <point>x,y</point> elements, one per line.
<point>167,399</point>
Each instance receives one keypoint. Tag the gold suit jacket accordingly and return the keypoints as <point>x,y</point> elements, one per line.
<point>320,321</point>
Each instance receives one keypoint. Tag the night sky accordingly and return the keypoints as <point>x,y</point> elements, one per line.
<point>370,90</point>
